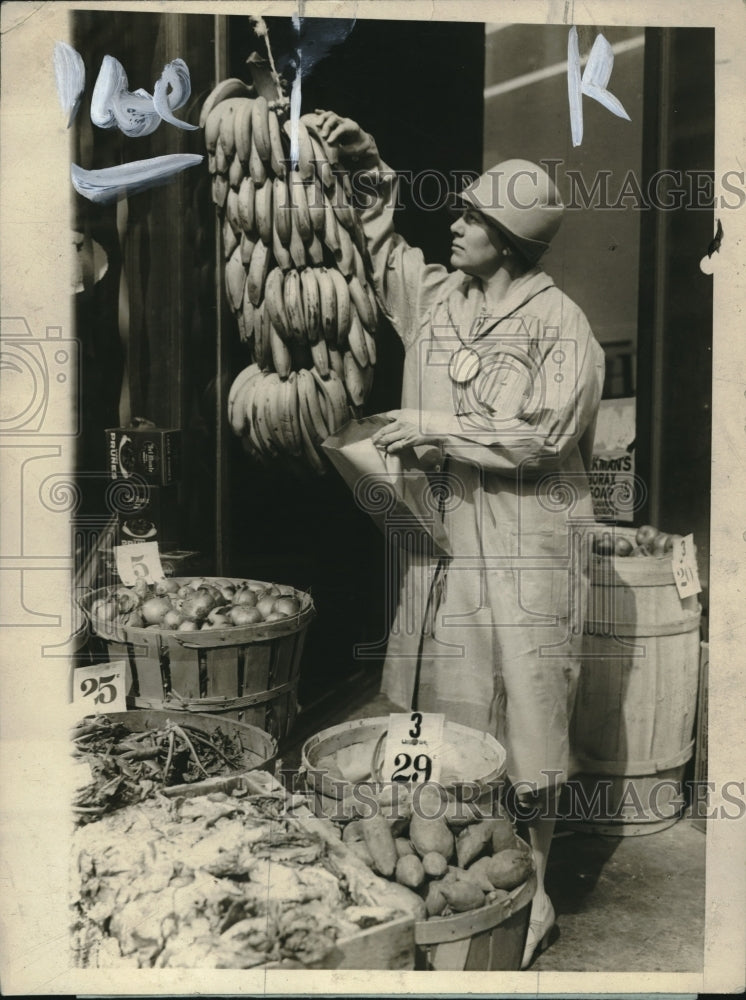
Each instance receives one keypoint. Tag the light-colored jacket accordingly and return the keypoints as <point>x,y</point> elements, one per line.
<point>495,629</point>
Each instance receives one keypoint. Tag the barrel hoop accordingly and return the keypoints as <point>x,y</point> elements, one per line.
<point>216,703</point>
<point>634,768</point>
<point>637,631</point>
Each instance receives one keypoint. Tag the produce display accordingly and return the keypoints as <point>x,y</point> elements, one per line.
<point>445,853</point>
<point>196,604</point>
<point>648,541</point>
<point>224,880</point>
<point>128,767</point>
<point>295,275</point>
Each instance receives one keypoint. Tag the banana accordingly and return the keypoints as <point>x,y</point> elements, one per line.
<point>331,227</point>
<point>246,315</point>
<point>327,305</point>
<point>280,354</point>
<point>246,213</point>
<point>370,346</point>
<point>263,211</point>
<point>341,202</point>
<point>259,420</point>
<point>305,152</point>
<point>239,382</point>
<point>272,403</point>
<point>212,129</point>
<point>235,279</point>
<point>235,172</point>
<point>315,252</point>
<point>211,163</point>
<point>356,341</point>
<point>230,240</point>
<point>362,303</point>
<point>297,248</point>
<point>310,407</point>
<point>257,275</point>
<point>232,87</point>
<point>335,362</point>
<point>345,256</point>
<point>324,170</point>
<point>311,304</point>
<point>335,396</point>
<point>246,401</point>
<point>257,169</point>
<point>274,300</point>
<point>262,349</point>
<point>242,132</point>
<point>282,210</point>
<point>320,356</point>
<point>227,134</point>
<point>294,306</point>
<point>299,201</point>
<point>279,252</point>
<point>247,248</point>
<point>276,148</point>
<point>260,129</point>
<point>359,265</point>
<point>309,451</point>
<point>353,378</point>
<point>315,200</point>
<point>221,159</point>
<point>290,415</point>
<point>231,212</point>
<point>344,306</point>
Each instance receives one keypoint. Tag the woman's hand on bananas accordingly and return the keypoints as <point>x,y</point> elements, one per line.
<point>351,142</point>
<point>403,431</point>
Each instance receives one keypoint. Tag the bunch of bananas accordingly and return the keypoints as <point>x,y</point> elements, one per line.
<point>295,276</point>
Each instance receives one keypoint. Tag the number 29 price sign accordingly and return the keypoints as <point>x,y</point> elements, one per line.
<point>100,688</point>
<point>414,747</point>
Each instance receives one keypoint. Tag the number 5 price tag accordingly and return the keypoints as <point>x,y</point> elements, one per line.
<point>138,561</point>
<point>414,747</point>
<point>684,564</point>
<point>100,688</point>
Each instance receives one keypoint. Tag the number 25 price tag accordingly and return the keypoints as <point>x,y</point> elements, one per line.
<point>414,746</point>
<point>100,688</point>
<point>684,564</point>
<point>138,561</point>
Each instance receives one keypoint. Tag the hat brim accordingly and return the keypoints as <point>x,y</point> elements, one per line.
<point>531,249</point>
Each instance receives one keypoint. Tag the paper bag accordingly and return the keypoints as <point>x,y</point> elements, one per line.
<point>393,489</point>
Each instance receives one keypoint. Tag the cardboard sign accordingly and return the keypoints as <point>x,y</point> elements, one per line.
<point>139,561</point>
<point>414,747</point>
<point>685,573</point>
<point>100,688</point>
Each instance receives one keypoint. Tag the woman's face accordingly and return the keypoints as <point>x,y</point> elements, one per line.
<point>476,247</point>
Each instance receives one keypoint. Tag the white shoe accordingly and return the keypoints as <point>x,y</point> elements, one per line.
<point>539,928</point>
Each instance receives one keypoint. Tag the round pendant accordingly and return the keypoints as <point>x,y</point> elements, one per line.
<point>464,365</point>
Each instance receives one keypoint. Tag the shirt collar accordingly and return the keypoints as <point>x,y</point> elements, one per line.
<point>518,292</point>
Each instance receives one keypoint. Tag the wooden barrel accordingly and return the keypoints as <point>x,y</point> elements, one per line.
<point>633,725</point>
<point>490,938</point>
<point>331,792</point>
<point>249,673</point>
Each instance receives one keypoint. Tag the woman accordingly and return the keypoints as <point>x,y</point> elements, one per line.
<point>502,381</point>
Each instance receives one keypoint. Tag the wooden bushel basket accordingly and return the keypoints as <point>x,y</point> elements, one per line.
<point>248,673</point>
<point>490,938</point>
<point>632,731</point>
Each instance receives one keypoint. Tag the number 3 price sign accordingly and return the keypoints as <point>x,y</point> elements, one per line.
<point>100,688</point>
<point>414,745</point>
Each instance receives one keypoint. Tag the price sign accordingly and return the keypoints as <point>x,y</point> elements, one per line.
<point>100,688</point>
<point>684,564</point>
<point>139,561</point>
<point>414,747</point>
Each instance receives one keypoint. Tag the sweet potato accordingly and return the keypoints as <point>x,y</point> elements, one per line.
<point>435,901</point>
<point>462,895</point>
<point>380,843</point>
<point>430,835</point>
<point>434,864</point>
<point>473,840</point>
<point>360,850</point>
<point>403,846</point>
<point>509,869</point>
<point>503,834</point>
<point>478,873</point>
<point>409,871</point>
